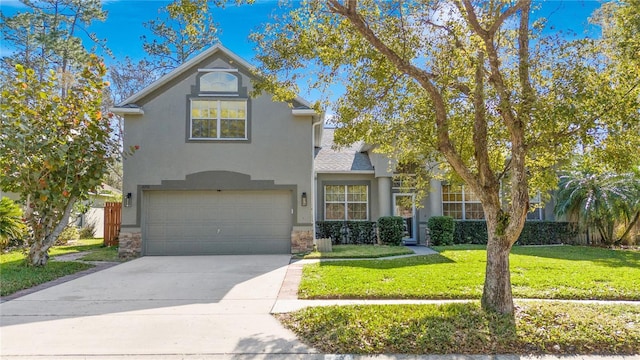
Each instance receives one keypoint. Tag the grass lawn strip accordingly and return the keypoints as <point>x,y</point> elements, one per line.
<point>551,272</point>
<point>463,328</point>
<point>15,275</point>
<point>109,253</point>
<point>359,252</point>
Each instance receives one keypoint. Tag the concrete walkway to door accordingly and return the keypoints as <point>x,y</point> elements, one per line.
<point>155,306</point>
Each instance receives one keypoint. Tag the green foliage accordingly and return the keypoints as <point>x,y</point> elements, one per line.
<point>45,35</point>
<point>347,232</point>
<point>458,273</point>
<point>88,231</point>
<point>391,229</point>
<point>533,233</point>
<point>441,230</point>
<point>54,149</point>
<point>69,234</point>
<point>11,225</point>
<point>600,200</point>
<point>536,328</point>
<point>475,87</point>
<point>184,29</point>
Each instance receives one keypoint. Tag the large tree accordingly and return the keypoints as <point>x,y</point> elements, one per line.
<point>54,148</point>
<point>47,35</point>
<point>183,29</point>
<point>472,86</point>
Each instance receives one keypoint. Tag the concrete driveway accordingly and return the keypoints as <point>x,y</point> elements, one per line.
<point>199,305</point>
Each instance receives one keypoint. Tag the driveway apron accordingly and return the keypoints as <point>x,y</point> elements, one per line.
<point>156,306</point>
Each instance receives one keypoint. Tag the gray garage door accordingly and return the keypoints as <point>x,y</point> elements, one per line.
<point>213,222</point>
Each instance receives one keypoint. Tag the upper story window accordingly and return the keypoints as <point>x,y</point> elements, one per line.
<point>218,119</point>
<point>219,82</point>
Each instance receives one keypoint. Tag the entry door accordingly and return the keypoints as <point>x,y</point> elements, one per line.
<point>404,205</point>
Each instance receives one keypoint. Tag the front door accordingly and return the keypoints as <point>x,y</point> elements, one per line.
<point>404,205</point>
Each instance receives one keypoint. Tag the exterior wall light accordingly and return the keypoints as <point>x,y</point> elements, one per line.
<point>127,200</point>
<point>303,199</point>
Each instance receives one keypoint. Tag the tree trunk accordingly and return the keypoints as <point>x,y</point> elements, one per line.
<point>497,296</point>
<point>39,250</point>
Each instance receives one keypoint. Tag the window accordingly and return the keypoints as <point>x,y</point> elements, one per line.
<point>535,209</point>
<point>461,203</point>
<point>346,202</point>
<point>219,82</point>
<point>218,119</point>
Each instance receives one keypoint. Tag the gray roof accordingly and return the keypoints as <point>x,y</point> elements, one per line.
<point>329,159</point>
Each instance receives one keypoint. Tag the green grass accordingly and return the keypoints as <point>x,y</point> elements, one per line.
<point>15,275</point>
<point>538,328</point>
<point>109,253</point>
<point>359,251</point>
<point>552,272</point>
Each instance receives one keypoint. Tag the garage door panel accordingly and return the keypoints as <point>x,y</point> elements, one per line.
<point>211,222</point>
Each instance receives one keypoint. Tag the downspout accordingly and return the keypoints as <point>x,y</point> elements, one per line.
<point>314,185</point>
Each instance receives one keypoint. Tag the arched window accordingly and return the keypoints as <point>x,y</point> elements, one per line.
<point>218,82</point>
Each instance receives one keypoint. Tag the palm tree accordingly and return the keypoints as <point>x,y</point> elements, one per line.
<point>601,201</point>
<point>11,225</point>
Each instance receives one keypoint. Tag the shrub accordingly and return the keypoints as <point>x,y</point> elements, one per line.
<point>547,233</point>
<point>88,231</point>
<point>391,229</point>
<point>470,232</point>
<point>347,232</point>
<point>70,233</point>
<point>441,230</point>
<point>533,233</point>
<point>12,228</point>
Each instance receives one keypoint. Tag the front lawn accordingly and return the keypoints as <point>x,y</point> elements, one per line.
<point>539,328</point>
<point>15,275</point>
<point>550,272</point>
<point>359,252</point>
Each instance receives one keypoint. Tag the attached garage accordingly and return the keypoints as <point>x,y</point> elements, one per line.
<point>217,222</point>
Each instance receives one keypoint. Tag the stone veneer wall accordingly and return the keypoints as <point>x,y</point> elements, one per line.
<point>130,245</point>
<point>301,240</point>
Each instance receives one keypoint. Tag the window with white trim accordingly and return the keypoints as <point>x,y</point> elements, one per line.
<point>461,203</point>
<point>218,119</point>
<point>535,208</point>
<point>346,202</point>
<point>219,82</point>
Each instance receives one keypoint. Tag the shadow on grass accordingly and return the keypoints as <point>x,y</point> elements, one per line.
<point>600,256</point>
<point>391,263</point>
<point>413,329</point>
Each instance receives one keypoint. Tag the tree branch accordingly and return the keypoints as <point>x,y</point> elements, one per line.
<point>445,145</point>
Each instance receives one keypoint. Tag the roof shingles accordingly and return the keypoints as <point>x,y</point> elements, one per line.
<point>343,159</point>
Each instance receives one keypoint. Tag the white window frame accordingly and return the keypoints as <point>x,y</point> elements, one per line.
<point>346,202</point>
<point>218,119</point>
<point>464,202</point>
<point>537,199</point>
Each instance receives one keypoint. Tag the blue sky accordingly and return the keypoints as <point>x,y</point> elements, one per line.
<point>123,26</point>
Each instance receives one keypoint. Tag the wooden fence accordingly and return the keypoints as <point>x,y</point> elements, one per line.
<point>112,218</point>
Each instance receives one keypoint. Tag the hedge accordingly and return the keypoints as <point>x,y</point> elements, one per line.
<point>441,230</point>
<point>347,232</point>
<point>391,229</point>
<point>534,232</point>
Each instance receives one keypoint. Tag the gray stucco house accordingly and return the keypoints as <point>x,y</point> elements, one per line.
<point>218,172</point>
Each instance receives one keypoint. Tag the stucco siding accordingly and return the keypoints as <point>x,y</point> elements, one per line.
<point>279,145</point>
